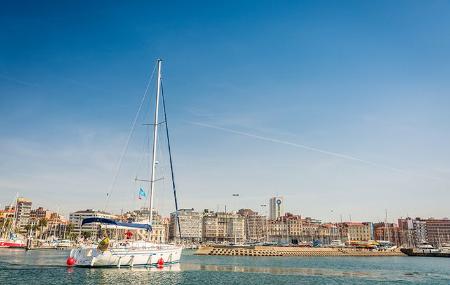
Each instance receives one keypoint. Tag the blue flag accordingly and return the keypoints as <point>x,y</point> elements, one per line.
<point>142,193</point>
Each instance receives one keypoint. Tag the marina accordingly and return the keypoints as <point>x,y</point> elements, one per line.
<point>231,142</point>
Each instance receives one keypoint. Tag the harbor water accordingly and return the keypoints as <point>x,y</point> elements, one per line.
<point>48,267</point>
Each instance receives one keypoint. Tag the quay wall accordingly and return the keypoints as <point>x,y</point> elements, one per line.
<point>290,251</point>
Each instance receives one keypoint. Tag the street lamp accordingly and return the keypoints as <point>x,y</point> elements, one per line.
<point>267,228</point>
<point>234,220</point>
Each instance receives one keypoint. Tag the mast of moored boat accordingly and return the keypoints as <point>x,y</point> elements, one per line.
<point>155,137</point>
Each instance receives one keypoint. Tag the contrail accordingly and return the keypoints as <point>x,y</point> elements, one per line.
<point>21,82</point>
<point>310,148</point>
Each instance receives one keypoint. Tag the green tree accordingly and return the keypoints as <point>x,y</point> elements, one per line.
<point>73,236</point>
<point>86,235</point>
<point>35,230</point>
<point>42,224</point>
<point>68,229</point>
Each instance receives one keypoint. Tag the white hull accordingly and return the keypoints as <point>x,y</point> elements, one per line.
<point>128,255</point>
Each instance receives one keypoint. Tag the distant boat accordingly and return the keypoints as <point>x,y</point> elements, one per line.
<point>445,248</point>
<point>337,243</point>
<point>131,252</point>
<point>65,243</point>
<point>12,242</point>
<point>427,250</point>
<point>8,236</point>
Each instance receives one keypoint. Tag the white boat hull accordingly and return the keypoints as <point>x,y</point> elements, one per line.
<point>125,256</point>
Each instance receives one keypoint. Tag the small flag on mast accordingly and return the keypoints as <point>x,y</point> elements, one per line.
<point>142,194</point>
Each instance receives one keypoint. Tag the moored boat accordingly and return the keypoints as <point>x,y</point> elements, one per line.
<point>131,252</point>
<point>12,243</point>
<point>65,243</point>
<point>427,250</point>
<point>416,252</point>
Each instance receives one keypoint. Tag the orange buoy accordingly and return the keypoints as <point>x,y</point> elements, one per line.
<point>160,263</point>
<point>70,261</point>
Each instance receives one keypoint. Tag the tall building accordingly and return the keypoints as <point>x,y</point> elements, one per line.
<point>418,230</point>
<point>77,217</point>
<point>387,232</point>
<point>40,213</point>
<point>310,229</point>
<point>438,231</point>
<point>255,225</point>
<point>211,229</point>
<point>190,225</point>
<point>56,227</point>
<point>220,226</point>
<point>282,228</point>
<point>293,229</point>
<point>413,231</point>
<point>160,226</point>
<point>356,231</point>
<point>276,207</point>
<point>23,210</point>
<point>328,232</point>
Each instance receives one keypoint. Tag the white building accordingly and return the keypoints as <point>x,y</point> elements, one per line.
<point>77,217</point>
<point>23,211</point>
<point>276,207</point>
<point>160,226</point>
<point>219,227</point>
<point>190,225</point>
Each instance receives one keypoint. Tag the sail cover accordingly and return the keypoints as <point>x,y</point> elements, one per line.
<point>146,227</point>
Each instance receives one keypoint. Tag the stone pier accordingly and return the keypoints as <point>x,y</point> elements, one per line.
<point>290,251</point>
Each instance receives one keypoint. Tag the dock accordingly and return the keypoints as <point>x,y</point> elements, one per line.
<point>291,251</point>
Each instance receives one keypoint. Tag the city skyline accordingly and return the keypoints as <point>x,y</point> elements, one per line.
<point>338,118</point>
<point>244,225</point>
<point>272,211</point>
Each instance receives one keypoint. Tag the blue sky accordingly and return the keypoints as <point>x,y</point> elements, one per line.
<point>341,107</point>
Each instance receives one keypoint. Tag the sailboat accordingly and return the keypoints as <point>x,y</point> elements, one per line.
<point>131,252</point>
<point>8,237</point>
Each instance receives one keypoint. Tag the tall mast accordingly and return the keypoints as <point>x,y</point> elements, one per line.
<point>155,138</point>
<point>171,163</point>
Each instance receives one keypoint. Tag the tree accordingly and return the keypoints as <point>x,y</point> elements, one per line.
<point>6,223</point>
<point>42,224</point>
<point>35,228</point>
<point>68,229</point>
<point>86,235</point>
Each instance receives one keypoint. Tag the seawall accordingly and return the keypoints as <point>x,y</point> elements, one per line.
<point>290,251</point>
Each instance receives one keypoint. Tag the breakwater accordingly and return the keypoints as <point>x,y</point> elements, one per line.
<point>290,251</point>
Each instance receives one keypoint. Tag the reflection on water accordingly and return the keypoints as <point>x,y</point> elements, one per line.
<point>273,270</point>
<point>136,275</point>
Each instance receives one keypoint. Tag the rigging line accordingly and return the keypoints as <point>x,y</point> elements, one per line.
<point>143,155</point>
<point>125,148</point>
<point>170,160</point>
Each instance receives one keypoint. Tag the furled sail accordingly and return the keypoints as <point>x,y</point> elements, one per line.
<point>114,223</point>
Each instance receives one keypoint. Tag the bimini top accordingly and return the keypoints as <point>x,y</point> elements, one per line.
<point>115,224</point>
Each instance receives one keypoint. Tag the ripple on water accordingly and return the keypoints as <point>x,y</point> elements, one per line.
<point>47,267</point>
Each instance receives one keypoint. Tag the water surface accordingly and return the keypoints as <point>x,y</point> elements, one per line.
<point>48,267</point>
